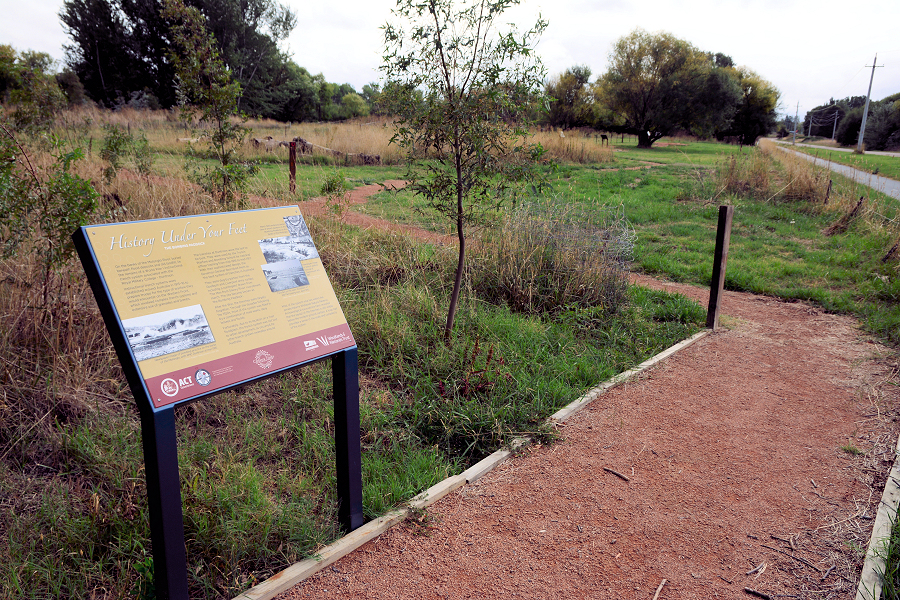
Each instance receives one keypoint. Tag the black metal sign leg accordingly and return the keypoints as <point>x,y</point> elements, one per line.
<point>345,370</point>
<point>164,499</point>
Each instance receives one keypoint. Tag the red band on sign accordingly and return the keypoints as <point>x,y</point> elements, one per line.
<point>203,378</point>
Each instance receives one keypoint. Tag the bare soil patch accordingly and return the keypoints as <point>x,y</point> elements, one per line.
<point>742,474</point>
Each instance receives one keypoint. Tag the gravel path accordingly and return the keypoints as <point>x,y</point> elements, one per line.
<point>739,454</point>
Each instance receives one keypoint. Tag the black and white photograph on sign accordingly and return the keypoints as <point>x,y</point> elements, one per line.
<point>300,232</point>
<point>167,332</point>
<point>285,275</point>
<point>296,246</point>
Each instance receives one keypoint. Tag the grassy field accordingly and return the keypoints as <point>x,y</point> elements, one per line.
<point>777,244</point>
<point>886,166</point>
<point>257,465</point>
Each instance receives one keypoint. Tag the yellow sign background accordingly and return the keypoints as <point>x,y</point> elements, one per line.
<point>157,269</point>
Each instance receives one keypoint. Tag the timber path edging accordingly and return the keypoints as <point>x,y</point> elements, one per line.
<point>291,576</point>
<point>874,566</point>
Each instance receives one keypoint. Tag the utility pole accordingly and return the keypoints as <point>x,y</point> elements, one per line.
<point>796,124</point>
<point>862,128</point>
<point>834,129</point>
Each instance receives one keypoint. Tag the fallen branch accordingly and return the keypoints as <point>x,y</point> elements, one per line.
<point>841,225</point>
<point>753,592</point>
<point>616,473</point>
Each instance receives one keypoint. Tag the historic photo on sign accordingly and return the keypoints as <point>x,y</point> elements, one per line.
<point>285,275</point>
<point>296,246</point>
<point>167,332</point>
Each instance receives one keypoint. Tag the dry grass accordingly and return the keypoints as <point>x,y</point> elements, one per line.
<point>550,256</point>
<point>746,174</point>
<point>574,147</point>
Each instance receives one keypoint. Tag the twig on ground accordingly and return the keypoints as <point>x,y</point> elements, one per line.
<point>659,589</point>
<point>827,573</point>
<point>797,558</point>
<point>753,592</point>
<point>853,516</point>
<point>760,567</point>
<point>616,473</point>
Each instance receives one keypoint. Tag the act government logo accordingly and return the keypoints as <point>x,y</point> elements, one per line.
<point>169,387</point>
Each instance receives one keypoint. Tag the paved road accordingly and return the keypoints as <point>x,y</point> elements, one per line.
<point>890,187</point>
<point>817,147</point>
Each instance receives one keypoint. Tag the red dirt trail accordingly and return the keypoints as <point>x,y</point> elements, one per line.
<point>736,455</point>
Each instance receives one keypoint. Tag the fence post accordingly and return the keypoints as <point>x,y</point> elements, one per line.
<point>293,161</point>
<point>345,374</point>
<point>717,285</point>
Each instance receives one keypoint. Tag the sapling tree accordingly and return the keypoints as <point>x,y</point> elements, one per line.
<point>41,207</point>
<point>205,87</point>
<point>459,86</point>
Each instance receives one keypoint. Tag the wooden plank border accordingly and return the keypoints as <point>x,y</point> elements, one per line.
<point>870,578</point>
<point>288,578</point>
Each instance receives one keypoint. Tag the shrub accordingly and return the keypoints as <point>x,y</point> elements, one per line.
<point>39,208</point>
<point>547,257</point>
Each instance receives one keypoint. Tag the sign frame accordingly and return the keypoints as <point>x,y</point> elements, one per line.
<point>159,433</point>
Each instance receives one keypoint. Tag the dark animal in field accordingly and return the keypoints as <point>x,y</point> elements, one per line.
<point>369,159</point>
<point>303,147</point>
<point>604,138</point>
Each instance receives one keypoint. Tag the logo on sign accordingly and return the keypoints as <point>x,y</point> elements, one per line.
<point>203,377</point>
<point>310,344</point>
<point>169,387</point>
<point>323,340</point>
<point>263,359</point>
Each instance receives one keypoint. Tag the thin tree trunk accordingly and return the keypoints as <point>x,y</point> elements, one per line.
<point>457,283</point>
<point>460,233</point>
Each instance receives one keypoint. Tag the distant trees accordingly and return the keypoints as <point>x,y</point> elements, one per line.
<point>119,52</point>
<point>882,126</point>
<point>657,84</point>
<point>570,98</point>
<point>755,113</point>
<point>27,82</point>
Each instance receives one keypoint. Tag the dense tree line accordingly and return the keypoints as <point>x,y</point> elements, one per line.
<point>656,85</point>
<point>842,119</point>
<point>120,52</point>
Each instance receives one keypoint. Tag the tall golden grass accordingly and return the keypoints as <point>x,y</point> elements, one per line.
<point>804,181</point>
<point>573,146</point>
<point>369,135</point>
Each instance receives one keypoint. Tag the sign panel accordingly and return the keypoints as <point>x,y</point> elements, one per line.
<point>209,301</point>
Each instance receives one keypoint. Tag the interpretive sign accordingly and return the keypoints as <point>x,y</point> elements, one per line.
<point>198,305</point>
<point>206,302</point>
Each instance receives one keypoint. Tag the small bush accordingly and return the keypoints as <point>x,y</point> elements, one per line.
<point>746,173</point>
<point>552,256</point>
<point>116,146</point>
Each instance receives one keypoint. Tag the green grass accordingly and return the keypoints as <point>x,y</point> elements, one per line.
<point>257,465</point>
<point>777,247</point>
<point>886,166</point>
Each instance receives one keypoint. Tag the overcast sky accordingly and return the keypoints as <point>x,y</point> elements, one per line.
<point>812,50</point>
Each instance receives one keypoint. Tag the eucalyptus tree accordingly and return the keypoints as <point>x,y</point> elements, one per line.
<point>458,82</point>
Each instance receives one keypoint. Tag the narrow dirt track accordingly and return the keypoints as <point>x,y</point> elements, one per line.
<point>736,455</point>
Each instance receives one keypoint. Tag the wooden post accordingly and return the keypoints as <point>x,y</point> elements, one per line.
<point>293,155</point>
<point>717,285</point>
